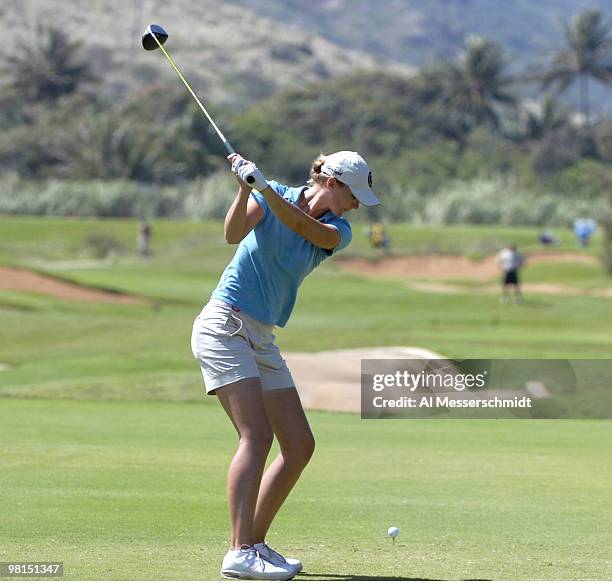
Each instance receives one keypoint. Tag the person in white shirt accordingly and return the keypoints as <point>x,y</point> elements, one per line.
<point>510,260</point>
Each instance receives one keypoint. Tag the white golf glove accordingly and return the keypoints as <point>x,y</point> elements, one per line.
<point>249,173</point>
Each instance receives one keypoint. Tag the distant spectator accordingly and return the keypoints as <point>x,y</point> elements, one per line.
<point>548,238</point>
<point>510,260</point>
<point>583,229</point>
<point>378,237</point>
<point>144,239</point>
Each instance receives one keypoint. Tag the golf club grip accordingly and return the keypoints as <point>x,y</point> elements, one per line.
<point>250,179</point>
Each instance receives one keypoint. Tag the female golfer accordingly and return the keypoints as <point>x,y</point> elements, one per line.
<point>283,234</point>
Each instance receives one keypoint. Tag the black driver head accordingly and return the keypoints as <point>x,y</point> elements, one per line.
<point>148,42</point>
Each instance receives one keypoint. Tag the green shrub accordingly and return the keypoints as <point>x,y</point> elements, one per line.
<point>103,244</point>
<point>604,139</point>
<point>586,179</point>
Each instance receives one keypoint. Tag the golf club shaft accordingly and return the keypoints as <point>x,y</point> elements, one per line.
<point>227,145</point>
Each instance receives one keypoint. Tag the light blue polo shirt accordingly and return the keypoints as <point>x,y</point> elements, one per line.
<point>272,261</point>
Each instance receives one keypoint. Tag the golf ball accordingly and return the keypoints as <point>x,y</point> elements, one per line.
<point>393,531</point>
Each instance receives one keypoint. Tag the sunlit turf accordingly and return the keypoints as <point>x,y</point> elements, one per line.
<point>120,490</point>
<point>112,461</point>
<point>77,349</point>
<point>22,238</point>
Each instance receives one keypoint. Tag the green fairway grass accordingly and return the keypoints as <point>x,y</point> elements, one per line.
<point>22,238</point>
<point>136,491</point>
<point>55,348</point>
<point>65,349</point>
<point>112,461</point>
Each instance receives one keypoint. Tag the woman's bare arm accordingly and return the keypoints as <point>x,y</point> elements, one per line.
<point>319,234</point>
<point>242,216</point>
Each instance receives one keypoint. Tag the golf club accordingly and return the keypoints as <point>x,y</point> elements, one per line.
<point>154,37</point>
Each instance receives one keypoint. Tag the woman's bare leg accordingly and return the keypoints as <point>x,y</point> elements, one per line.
<point>244,404</point>
<point>291,428</point>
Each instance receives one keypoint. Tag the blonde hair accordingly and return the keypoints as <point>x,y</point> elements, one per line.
<point>316,176</point>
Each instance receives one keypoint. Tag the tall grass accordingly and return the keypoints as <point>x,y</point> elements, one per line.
<point>210,198</point>
<point>482,201</point>
<point>198,199</point>
<point>117,198</point>
<point>494,200</point>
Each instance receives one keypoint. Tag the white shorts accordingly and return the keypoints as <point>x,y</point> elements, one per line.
<point>230,346</point>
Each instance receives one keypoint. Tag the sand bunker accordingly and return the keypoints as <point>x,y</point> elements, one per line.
<point>449,266</point>
<point>331,381</point>
<point>22,280</point>
<point>412,266</point>
<point>527,288</point>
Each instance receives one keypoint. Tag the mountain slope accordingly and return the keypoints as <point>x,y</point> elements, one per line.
<point>415,32</point>
<point>228,53</point>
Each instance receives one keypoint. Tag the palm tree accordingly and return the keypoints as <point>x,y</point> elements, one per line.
<point>477,84</point>
<point>548,118</point>
<point>588,54</point>
<point>459,95</point>
<point>49,68</point>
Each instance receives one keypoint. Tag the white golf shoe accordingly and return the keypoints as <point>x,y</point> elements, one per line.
<point>274,557</point>
<point>248,563</point>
